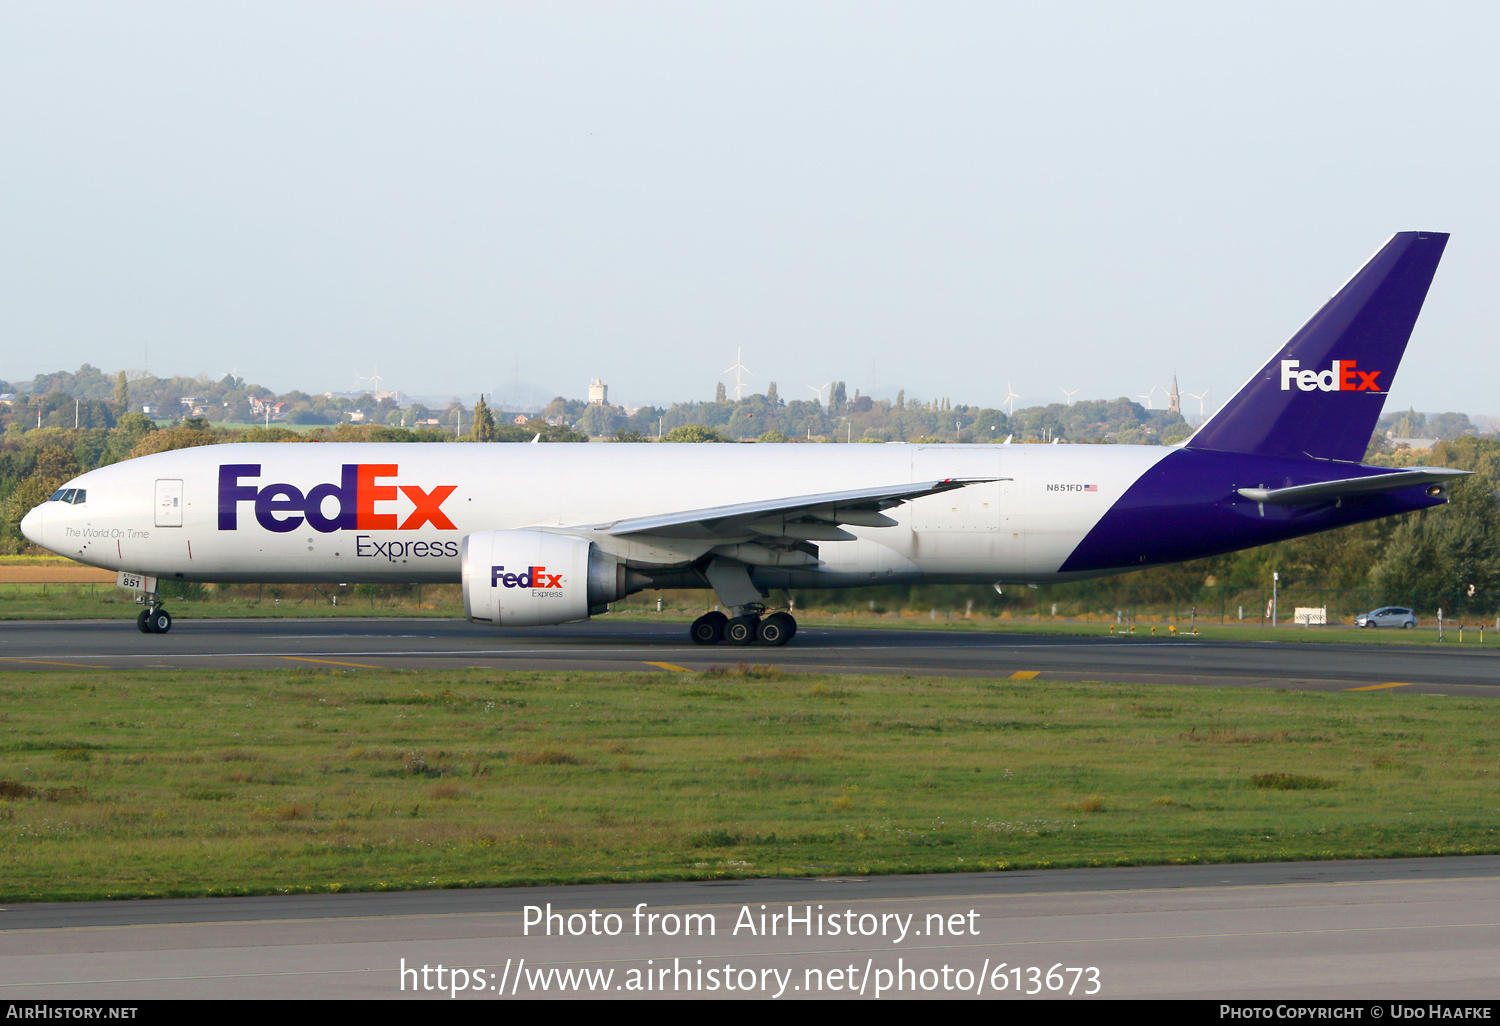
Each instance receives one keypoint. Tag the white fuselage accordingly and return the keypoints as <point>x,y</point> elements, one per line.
<point>167,515</point>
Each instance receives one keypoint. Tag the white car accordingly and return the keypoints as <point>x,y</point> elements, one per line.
<point>1389,616</point>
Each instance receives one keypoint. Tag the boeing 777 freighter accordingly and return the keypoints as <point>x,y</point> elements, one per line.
<point>548,534</point>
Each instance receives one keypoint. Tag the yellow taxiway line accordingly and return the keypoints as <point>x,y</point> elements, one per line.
<point>335,662</point>
<point>49,662</point>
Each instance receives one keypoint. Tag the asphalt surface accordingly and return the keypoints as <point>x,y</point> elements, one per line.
<point>1414,929</point>
<point>415,644</point>
<point>1426,928</point>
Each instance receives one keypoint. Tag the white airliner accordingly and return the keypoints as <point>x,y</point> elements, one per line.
<point>547,534</point>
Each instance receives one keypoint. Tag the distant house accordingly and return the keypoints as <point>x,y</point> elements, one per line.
<point>7,398</point>
<point>356,416</point>
<point>258,406</point>
<point>598,392</point>
<point>520,419</point>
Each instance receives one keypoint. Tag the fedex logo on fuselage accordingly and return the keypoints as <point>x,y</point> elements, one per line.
<point>1342,377</point>
<point>360,495</point>
<point>534,577</point>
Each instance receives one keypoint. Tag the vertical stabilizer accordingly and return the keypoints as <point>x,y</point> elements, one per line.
<point>1321,395</point>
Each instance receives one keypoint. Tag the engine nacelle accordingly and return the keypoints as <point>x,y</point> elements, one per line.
<point>532,578</point>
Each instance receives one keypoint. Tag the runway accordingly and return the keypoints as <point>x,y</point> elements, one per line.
<point>1415,929</point>
<point>601,645</point>
<point>1359,930</point>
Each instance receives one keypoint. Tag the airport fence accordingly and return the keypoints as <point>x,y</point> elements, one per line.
<point>1106,601</point>
<point>22,595</point>
<point>1100,601</point>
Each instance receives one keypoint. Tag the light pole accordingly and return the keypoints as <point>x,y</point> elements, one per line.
<point>1275,578</point>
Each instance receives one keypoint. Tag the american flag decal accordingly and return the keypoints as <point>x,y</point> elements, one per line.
<point>1091,488</point>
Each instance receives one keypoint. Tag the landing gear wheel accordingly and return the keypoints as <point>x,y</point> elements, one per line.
<point>708,629</point>
<point>777,629</point>
<point>742,630</point>
<point>159,621</point>
<point>143,621</point>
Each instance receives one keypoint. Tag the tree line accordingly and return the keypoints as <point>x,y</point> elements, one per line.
<point>1448,555</point>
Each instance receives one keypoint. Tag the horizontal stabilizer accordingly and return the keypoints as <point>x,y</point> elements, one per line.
<point>1350,487</point>
<point>857,506</point>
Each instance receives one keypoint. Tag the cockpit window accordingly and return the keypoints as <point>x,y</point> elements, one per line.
<point>59,496</point>
<point>70,495</point>
<point>79,495</point>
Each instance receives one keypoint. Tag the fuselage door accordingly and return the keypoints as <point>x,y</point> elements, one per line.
<point>974,509</point>
<point>169,502</point>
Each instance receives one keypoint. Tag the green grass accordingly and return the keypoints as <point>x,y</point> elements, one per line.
<point>1206,631</point>
<point>193,783</point>
<point>104,601</point>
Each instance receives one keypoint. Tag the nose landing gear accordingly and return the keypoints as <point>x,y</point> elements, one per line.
<point>153,619</point>
<point>747,627</point>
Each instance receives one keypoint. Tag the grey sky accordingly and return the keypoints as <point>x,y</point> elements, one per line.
<point>935,196</point>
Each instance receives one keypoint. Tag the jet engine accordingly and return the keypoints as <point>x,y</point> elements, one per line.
<point>531,578</point>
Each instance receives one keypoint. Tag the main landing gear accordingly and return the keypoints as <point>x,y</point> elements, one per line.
<point>153,619</point>
<point>746,627</point>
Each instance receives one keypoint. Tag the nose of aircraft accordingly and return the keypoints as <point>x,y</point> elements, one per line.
<point>31,524</point>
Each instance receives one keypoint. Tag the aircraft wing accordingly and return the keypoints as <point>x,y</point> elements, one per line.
<point>813,517</point>
<point>1351,487</point>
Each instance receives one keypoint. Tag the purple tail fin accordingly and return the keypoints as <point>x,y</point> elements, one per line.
<point>1321,395</point>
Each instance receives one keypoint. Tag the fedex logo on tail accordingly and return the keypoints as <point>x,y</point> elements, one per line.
<point>360,500</point>
<point>1342,377</point>
<point>534,577</point>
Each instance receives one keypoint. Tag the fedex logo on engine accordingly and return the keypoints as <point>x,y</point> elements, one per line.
<point>1342,377</point>
<point>534,577</point>
<point>360,501</point>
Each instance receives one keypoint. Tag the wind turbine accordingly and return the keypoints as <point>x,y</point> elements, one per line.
<point>1069,394</point>
<point>1010,397</point>
<point>1200,402</point>
<point>738,368</point>
<point>1148,397</point>
<point>375,378</point>
<point>819,391</point>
